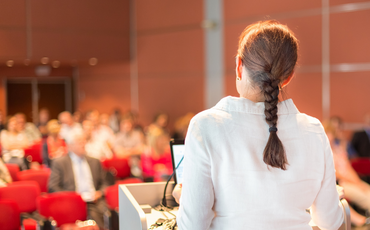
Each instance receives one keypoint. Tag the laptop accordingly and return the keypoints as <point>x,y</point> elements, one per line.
<point>177,152</point>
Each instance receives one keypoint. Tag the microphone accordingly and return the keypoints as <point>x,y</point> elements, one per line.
<point>164,201</point>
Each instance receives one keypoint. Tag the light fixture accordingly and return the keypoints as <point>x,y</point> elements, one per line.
<point>93,61</point>
<point>56,64</point>
<point>44,60</point>
<point>42,70</point>
<point>10,63</point>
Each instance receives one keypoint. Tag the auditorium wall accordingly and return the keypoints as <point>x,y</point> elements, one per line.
<point>169,57</point>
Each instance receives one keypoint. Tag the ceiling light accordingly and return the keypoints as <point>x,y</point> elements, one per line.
<point>10,63</point>
<point>93,61</point>
<point>44,60</point>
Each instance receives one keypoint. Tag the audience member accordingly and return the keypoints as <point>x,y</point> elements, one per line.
<point>156,160</point>
<point>160,121</point>
<point>13,143</point>
<point>128,141</point>
<point>361,139</point>
<point>29,129</point>
<point>104,119</point>
<point>69,126</point>
<point>356,190</point>
<point>101,132</point>
<point>2,126</point>
<point>83,174</point>
<point>42,122</point>
<point>114,120</point>
<point>77,117</point>
<point>96,148</point>
<point>5,177</point>
<point>181,126</point>
<point>54,146</point>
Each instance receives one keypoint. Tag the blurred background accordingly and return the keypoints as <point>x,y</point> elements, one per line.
<point>132,73</point>
<point>174,56</point>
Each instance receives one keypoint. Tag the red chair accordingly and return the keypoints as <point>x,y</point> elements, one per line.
<point>63,207</point>
<point>9,215</point>
<point>40,176</point>
<point>119,167</point>
<point>111,197</point>
<point>24,194</point>
<point>33,153</point>
<point>111,193</point>
<point>361,165</point>
<point>13,170</point>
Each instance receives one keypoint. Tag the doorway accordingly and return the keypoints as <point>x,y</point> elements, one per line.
<point>29,95</point>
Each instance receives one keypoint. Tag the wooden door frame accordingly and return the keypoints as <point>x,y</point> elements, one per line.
<point>35,94</point>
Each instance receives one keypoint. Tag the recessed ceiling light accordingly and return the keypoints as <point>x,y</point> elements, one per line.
<point>44,60</point>
<point>10,63</point>
<point>56,64</point>
<point>93,61</point>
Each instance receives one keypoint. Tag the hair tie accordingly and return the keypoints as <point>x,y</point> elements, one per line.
<point>273,129</point>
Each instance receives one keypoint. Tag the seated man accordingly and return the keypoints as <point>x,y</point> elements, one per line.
<point>83,174</point>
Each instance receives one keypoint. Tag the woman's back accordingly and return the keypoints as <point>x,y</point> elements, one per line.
<point>251,163</point>
<point>226,176</point>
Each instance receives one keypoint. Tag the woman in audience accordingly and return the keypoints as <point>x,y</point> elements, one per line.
<point>54,146</point>
<point>68,126</point>
<point>156,160</point>
<point>28,128</point>
<point>101,132</point>
<point>5,177</point>
<point>13,144</point>
<point>96,148</point>
<point>356,190</point>
<point>160,121</point>
<point>128,142</point>
<point>252,162</point>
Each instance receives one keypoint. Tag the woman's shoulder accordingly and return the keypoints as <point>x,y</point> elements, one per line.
<point>310,123</point>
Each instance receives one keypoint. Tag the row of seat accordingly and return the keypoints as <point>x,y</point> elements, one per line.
<point>28,194</point>
<point>22,204</point>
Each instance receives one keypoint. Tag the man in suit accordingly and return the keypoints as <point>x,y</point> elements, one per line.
<point>83,174</point>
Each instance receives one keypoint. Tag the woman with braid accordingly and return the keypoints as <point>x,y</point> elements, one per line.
<point>252,162</point>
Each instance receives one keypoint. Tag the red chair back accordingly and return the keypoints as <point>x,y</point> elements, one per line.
<point>13,171</point>
<point>24,193</point>
<point>9,215</point>
<point>33,153</point>
<point>40,176</point>
<point>111,193</point>
<point>118,166</point>
<point>63,207</point>
<point>361,166</point>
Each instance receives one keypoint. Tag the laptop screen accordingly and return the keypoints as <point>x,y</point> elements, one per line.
<point>177,152</point>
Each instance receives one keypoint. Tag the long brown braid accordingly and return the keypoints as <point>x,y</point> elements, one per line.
<point>269,52</point>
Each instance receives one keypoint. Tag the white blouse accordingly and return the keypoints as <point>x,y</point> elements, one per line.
<point>228,186</point>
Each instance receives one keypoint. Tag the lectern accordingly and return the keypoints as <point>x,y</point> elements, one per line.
<point>132,198</point>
